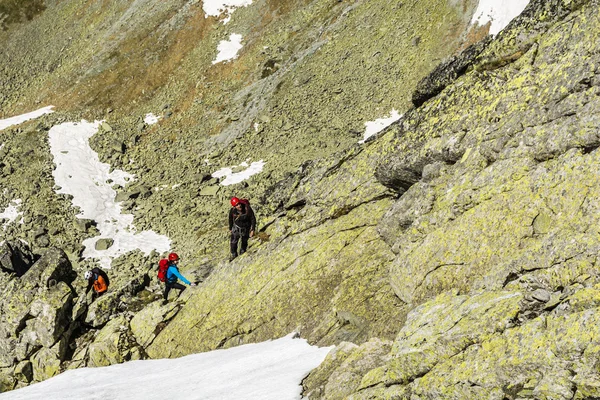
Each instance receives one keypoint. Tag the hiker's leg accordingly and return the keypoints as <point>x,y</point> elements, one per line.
<point>167,290</point>
<point>179,287</point>
<point>244,243</point>
<point>233,242</point>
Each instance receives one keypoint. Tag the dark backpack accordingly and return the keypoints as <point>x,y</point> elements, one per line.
<point>163,266</point>
<point>98,272</point>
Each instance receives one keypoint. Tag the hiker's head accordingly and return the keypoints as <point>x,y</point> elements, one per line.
<point>235,202</point>
<point>173,258</point>
<point>87,275</point>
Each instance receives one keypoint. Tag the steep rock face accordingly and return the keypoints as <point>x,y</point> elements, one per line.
<point>484,268</point>
<point>294,97</point>
<point>494,232</point>
<point>499,155</point>
<point>34,319</point>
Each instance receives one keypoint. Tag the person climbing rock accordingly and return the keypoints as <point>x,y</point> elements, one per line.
<point>173,275</point>
<point>97,279</point>
<point>242,224</point>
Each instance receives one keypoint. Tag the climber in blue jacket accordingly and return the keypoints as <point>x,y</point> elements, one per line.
<point>173,275</point>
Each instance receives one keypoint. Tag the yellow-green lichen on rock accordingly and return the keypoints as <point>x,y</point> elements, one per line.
<point>329,282</point>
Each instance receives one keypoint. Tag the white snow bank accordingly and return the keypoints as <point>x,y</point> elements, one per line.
<point>80,173</point>
<point>228,49</point>
<point>498,12</point>
<point>267,371</point>
<point>374,127</point>
<point>19,119</point>
<point>151,119</point>
<point>218,7</point>
<point>237,177</point>
<point>11,213</point>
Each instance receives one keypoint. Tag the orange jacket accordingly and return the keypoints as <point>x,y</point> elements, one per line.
<point>100,285</point>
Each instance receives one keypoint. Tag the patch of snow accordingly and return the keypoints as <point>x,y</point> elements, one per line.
<point>11,213</point>
<point>374,127</point>
<point>19,119</point>
<point>80,173</point>
<point>499,13</point>
<point>232,178</point>
<point>175,186</point>
<point>151,119</point>
<point>228,49</point>
<point>270,370</point>
<point>217,7</point>
<point>256,126</point>
<point>2,146</point>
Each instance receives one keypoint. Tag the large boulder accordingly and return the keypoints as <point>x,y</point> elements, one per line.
<point>341,372</point>
<point>107,346</point>
<point>35,312</point>
<point>120,292</point>
<point>15,257</point>
<point>53,267</point>
<point>146,324</point>
<point>46,363</point>
<point>51,312</point>
<point>24,371</point>
<point>7,380</point>
<point>101,310</point>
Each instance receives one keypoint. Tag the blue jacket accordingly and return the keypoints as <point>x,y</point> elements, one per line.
<point>173,274</point>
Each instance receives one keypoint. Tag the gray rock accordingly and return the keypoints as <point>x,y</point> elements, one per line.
<point>447,72</point>
<point>15,257</point>
<point>45,363</point>
<point>83,224</point>
<point>24,371</point>
<point>541,295</point>
<point>52,312</point>
<point>210,190</point>
<point>106,127</point>
<point>106,347</point>
<point>101,310</point>
<point>104,243</point>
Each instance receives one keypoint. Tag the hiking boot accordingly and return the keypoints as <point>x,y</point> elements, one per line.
<point>232,256</point>
<point>165,302</point>
<point>242,251</point>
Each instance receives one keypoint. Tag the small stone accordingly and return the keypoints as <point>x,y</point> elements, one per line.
<point>104,243</point>
<point>210,191</point>
<point>106,127</point>
<point>541,295</point>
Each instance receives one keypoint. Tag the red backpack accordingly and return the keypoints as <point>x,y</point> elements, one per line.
<point>246,202</point>
<point>163,266</point>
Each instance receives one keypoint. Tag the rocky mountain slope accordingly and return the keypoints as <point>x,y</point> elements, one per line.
<point>453,256</point>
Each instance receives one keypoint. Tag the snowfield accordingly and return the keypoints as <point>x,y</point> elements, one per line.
<point>217,7</point>
<point>80,173</point>
<point>374,127</point>
<point>228,49</point>
<point>151,119</point>
<point>11,213</point>
<point>232,178</point>
<point>5,123</point>
<point>270,370</point>
<point>498,12</point>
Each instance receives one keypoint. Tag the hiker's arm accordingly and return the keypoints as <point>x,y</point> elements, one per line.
<point>89,286</point>
<point>175,272</point>
<point>230,219</point>
<point>252,221</point>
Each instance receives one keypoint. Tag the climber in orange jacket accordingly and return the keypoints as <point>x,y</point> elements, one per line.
<point>98,280</point>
